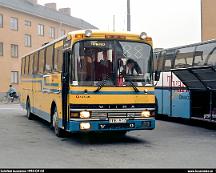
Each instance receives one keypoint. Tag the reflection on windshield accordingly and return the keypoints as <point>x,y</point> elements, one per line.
<point>117,62</point>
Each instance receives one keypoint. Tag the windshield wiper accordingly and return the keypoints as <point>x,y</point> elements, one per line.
<point>134,87</point>
<point>101,85</point>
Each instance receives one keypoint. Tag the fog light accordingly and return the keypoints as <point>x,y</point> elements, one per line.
<point>74,115</point>
<point>85,114</point>
<point>146,114</point>
<point>85,126</point>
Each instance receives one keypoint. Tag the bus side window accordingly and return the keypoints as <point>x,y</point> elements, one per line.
<point>41,61</point>
<point>27,65</point>
<point>167,64</point>
<point>31,64</point>
<point>23,66</point>
<point>184,57</point>
<point>49,59</point>
<point>58,58</point>
<point>36,61</point>
<point>198,58</point>
<point>160,61</point>
<point>212,57</point>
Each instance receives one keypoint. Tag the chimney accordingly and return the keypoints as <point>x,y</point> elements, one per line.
<point>32,1</point>
<point>51,5</point>
<point>66,11</point>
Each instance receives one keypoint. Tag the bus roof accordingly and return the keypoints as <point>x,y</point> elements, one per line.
<point>184,46</point>
<point>95,34</point>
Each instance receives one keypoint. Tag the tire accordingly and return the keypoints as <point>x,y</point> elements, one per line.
<point>55,120</point>
<point>29,115</point>
<point>5,100</point>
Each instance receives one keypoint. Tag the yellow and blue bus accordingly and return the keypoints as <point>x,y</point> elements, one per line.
<point>185,81</point>
<point>80,82</point>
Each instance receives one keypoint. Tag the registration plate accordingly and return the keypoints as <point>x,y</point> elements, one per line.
<point>118,120</point>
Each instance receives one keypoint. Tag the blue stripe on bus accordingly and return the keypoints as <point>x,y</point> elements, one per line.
<point>38,112</point>
<point>40,81</point>
<point>111,92</point>
<point>41,114</point>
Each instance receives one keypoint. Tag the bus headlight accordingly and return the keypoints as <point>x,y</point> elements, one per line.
<point>85,114</point>
<point>85,126</point>
<point>146,114</point>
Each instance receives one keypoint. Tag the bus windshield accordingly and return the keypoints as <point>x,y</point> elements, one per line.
<point>106,60</point>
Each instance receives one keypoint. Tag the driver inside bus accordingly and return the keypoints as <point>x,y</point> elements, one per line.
<point>132,67</point>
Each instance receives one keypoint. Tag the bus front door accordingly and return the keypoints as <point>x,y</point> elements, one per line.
<point>65,88</point>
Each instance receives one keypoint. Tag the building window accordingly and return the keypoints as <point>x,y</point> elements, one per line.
<point>1,49</point>
<point>27,23</point>
<point>62,32</point>
<point>14,23</point>
<point>40,30</point>
<point>27,40</point>
<point>14,50</point>
<point>14,77</point>
<point>52,32</point>
<point>1,21</point>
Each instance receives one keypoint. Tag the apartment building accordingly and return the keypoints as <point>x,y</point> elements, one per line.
<point>208,22</point>
<point>24,26</point>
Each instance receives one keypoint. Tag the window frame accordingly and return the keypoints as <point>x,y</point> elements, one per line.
<point>17,77</point>
<point>2,52</point>
<point>27,23</point>
<point>40,29</point>
<point>17,52</point>
<point>11,22</point>
<point>1,21</point>
<point>27,41</point>
<point>52,32</point>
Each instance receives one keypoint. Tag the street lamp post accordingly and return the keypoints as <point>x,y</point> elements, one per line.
<point>128,16</point>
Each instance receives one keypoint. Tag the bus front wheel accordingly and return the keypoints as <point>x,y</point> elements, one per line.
<point>55,121</point>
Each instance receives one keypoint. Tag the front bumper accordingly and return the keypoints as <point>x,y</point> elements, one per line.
<point>96,126</point>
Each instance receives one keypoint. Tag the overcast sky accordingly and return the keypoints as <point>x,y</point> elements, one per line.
<point>169,22</point>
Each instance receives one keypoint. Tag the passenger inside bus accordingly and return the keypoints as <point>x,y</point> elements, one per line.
<point>105,66</point>
<point>90,67</point>
<point>87,68</point>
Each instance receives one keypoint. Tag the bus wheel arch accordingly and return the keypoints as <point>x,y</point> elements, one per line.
<point>28,109</point>
<point>55,121</point>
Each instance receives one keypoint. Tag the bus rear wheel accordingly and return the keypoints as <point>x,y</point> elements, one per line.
<point>55,121</point>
